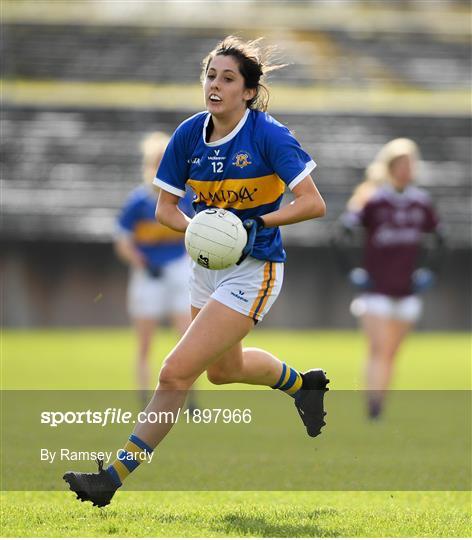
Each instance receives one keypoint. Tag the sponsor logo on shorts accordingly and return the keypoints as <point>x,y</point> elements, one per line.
<point>239,295</point>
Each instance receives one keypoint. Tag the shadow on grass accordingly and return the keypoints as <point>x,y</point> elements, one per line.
<point>274,524</point>
<point>247,525</point>
<point>145,520</point>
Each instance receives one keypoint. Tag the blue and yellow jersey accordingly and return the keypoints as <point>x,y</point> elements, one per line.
<point>246,172</point>
<point>159,244</point>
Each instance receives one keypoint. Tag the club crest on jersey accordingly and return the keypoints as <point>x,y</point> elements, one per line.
<point>242,159</point>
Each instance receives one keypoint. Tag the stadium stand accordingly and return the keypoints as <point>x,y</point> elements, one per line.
<point>69,170</point>
<point>333,57</point>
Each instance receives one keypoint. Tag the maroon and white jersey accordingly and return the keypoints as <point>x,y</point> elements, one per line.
<point>395,223</point>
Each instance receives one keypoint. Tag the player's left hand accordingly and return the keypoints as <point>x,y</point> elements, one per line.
<point>252,226</point>
<point>422,279</point>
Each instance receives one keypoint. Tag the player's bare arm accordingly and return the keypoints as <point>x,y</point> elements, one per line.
<point>308,204</point>
<point>128,253</point>
<point>168,213</point>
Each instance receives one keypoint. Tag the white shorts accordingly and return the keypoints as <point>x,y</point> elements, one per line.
<point>154,298</point>
<point>250,288</point>
<point>406,309</point>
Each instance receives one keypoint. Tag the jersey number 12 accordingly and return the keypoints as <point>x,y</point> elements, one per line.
<point>217,166</point>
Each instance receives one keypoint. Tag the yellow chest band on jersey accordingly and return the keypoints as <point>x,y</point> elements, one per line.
<point>240,193</point>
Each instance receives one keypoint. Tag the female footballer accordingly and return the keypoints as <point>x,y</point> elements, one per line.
<point>394,214</point>
<point>233,156</point>
<point>159,265</point>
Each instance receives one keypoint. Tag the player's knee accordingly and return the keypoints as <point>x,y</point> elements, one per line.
<point>218,375</point>
<point>389,356</point>
<point>384,356</point>
<point>376,350</point>
<point>173,377</point>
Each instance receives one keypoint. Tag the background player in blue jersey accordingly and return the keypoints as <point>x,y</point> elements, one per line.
<point>234,156</point>
<point>394,215</point>
<point>159,265</point>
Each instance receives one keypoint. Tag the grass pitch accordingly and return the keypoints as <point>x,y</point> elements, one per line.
<point>103,360</point>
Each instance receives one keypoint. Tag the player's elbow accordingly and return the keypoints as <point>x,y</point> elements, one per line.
<point>318,208</point>
<point>161,214</point>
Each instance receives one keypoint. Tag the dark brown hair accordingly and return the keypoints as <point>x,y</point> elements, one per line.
<point>254,62</point>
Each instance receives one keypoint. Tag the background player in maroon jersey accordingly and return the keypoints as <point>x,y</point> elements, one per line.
<point>394,215</point>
